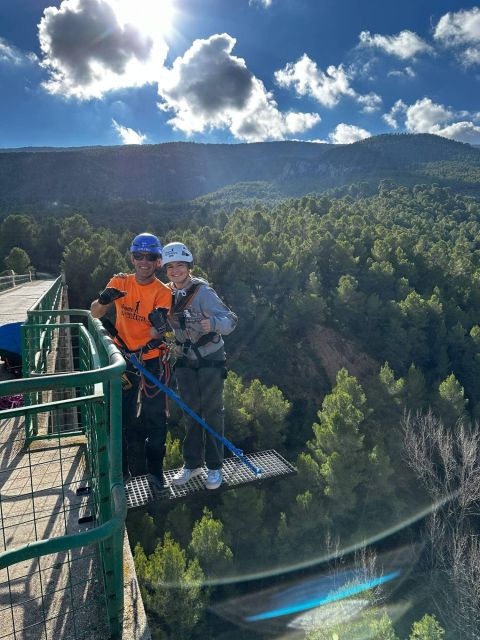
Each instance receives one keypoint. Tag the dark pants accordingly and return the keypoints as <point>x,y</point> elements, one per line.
<point>143,437</point>
<point>202,390</point>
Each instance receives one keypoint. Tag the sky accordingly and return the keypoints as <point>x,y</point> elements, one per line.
<point>111,72</point>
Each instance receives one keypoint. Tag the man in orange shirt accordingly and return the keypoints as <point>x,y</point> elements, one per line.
<point>135,296</point>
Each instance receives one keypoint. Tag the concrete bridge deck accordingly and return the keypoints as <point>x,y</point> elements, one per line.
<point>15,302</point>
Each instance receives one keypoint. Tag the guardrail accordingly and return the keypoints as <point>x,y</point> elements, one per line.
<point>10,281</point>
<point>81,404</point>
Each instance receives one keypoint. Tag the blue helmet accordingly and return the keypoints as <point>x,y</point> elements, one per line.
<point>146,242</point>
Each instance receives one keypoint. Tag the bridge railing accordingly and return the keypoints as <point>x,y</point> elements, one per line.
<point>77,407</point>
<point>14,279</point>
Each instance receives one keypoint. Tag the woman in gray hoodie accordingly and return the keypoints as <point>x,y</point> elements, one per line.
<point>199,319</point>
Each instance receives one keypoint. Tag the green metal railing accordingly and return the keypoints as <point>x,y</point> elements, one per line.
<point>70,420</point>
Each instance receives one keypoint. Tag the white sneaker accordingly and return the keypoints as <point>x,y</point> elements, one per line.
<point>214,478</point>
<point>184,475</point>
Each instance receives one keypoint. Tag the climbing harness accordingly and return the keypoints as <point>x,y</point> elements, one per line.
<point>144,387</point>
<point>181,312</point>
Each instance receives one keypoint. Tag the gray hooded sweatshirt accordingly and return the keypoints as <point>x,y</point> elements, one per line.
<point>205,303</point>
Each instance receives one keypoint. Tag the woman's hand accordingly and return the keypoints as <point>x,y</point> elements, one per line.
<point>206,324</point>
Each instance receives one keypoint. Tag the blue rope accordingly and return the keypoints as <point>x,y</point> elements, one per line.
<point>237,452</point>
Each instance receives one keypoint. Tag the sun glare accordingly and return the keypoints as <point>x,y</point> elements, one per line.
<point>152,17</point>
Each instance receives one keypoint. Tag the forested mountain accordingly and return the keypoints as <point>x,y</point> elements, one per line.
<point>358,305</point>
<point>183,171</point>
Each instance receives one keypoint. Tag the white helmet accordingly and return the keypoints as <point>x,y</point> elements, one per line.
<point>176,252</point>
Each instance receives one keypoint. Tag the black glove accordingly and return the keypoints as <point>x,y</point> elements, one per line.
<point>110,294</point>
<point>158,319</point>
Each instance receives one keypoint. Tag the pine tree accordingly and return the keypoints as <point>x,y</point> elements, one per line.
<point>382,629</point>
<point>338,446</point>
<point>208,546</point>
<point>17,260</point>
<point>269,411</point>
<point>428,628</point>
<point>451,403</point>
<point>173,452</point>
<point>171,587</point>
<point>415,389</point>
<point>236,416</point>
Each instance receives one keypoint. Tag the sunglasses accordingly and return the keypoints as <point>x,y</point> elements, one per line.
<point>151,257</point>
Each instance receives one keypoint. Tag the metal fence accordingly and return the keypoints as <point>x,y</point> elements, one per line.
<point>14,279</point>
<point>62,500</point>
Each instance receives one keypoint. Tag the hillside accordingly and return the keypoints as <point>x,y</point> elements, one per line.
<point>184,171</point>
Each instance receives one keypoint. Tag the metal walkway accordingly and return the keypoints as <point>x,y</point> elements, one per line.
<point>140,492</point>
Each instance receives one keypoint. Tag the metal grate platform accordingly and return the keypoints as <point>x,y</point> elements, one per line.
<point>140,492</point>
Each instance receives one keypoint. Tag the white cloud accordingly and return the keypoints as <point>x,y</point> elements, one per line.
<point>391,117</point>
<point>9,54</point>
<point>461,31</point>
<point>308,80</point>
<point>371,102</point>
<point>210,88</point>
<point>127,135</point>
<point>348,133</point>
<point>326,88</point>
<point>424,116</point>
<point>92,46</point>
<point>404,45</point>
<point>264,3</point>
<point>461,131</point>
<point>407,72</point>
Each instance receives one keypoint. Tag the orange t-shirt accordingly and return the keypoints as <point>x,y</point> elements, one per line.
<point>132,321</point>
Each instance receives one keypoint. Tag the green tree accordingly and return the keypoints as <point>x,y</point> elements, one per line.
<point>109,261</point>
<point>269,411</point>
<point>173,452</point>
<point>415,389</point>
<point>48,253</point>
<point>17,230</point>
<point>451,403</point>
<point>79,261</point>
<point>338,446</point>
<point>349,300</point>
<point>171,587</point>
<point>236,416</point>
<point>208,546</point>
<point>393,386</point>
<point>382,629</point>
<point>75,226</point>
<point>17,260</point>
<point>257,413</point>
<point>179,523</point>
<point>428,628</point>
<point>243,516</point>
<point>142,531</point>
